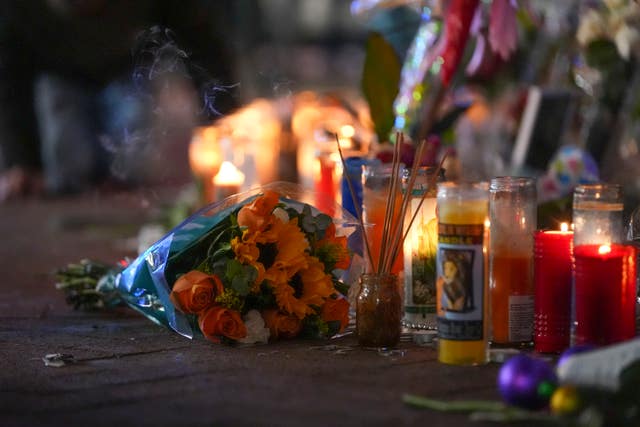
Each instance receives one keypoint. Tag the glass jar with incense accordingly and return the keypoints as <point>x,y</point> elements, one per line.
<point>379,300</point>
<point>378,310</point>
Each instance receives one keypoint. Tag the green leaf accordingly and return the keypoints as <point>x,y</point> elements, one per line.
<point>240,276</point>
<point>381,83</point>
<point>453,406</point>
<point>224,249</point>
<point>322,223</point>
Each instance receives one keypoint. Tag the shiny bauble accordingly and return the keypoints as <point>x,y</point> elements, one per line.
<point>526,382</point>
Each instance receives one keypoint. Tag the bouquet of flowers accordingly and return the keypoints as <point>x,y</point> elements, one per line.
<point>256,266</point>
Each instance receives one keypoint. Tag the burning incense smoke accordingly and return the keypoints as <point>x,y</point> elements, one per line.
<point>167,96</point>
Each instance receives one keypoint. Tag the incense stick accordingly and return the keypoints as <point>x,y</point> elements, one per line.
<point>397,231</point>
<point>390,211</point>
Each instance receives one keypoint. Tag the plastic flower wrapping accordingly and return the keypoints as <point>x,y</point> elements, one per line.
<point>257,266</point>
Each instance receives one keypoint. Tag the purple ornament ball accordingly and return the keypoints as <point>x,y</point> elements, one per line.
<point>526,382</point>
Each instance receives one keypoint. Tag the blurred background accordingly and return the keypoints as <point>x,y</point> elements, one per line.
<point>212,97</point>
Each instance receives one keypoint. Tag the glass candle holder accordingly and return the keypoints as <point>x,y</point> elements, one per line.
<point>325,178</point>
<point>352,180</point>
<point>597,214</point>
<point>604,294</point>
<point>376,186</point>
<point>420,247</point>
<point>602,267</point>
<point>378,310</point>
<point>552,277</point>
<point>512,212</point>
<point>461,268</point>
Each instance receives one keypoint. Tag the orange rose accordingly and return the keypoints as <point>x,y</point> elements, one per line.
<point>255,215</point>
<point>219,321</point>
<point>336,310</point>
<point>195,291</point>
<point>282,325</point>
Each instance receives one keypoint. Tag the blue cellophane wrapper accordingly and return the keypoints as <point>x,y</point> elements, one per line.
<point>145,284</point>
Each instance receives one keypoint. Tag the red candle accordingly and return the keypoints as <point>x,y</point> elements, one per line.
<point>325,185</point>
<point>552,278</point>
<point>605,289</point>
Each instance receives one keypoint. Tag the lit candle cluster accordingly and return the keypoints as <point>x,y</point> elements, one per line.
<point>586,279</point>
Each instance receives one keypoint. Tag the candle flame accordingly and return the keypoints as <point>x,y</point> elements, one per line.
<point>347,131</point>
<point>604,249</point>
<point>564,227</point>
<point>228,175</point>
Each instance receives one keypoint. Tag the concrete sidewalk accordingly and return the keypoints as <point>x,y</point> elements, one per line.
<point>131,372</point>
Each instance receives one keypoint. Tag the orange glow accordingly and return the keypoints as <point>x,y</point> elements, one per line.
<point>604,249</point>
<point>347,131</point>
<point>564,227</point>
<point>229,175</point>
<point>205,154</point>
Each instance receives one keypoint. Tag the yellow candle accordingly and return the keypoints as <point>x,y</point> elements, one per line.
<point>461,287</point>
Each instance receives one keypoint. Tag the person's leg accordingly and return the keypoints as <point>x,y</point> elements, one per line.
<point>71,153</point>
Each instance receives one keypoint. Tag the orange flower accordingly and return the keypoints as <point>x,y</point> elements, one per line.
<point>257,214</point>
<point>288,302</point>
<point>336,309</point>
<point>316,284</point>
<point>219,321</point>
<point>282,325</point>
<point>246,251</point>
<point>291,258</point>
<point>195,291</point>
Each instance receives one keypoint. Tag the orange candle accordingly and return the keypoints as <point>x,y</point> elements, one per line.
<point>513,272</point>
<point>512,212</point>
<point>375,200</point>
<point>375,205</point>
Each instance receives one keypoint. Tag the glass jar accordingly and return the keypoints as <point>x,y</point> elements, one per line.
<point>420,247</point>
<point>604,269</point>
<point>377,185</point>
<point>512,215</point>
<point>461,286</point>
<point>597,214</point>
<point>378,310</point>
